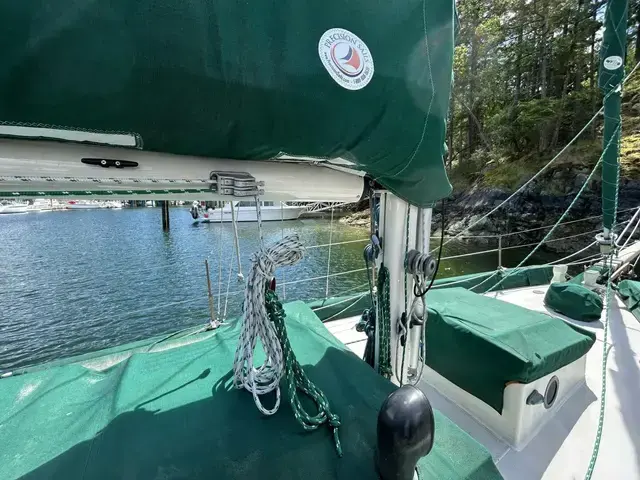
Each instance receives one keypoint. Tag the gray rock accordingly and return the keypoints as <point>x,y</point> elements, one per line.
<point>456,227</point>
<point>579,180</point>
<point>483,225</point>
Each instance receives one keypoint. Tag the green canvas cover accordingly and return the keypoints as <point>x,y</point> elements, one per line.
<point>175,414</point>
<point>243,80</point>
<point>629,291</point>
<point>349,305</point>
<point>335,308</point>
<point>574,300</point>
<point>481,344</point>
<point>518,278</point>
<point>612,59</point>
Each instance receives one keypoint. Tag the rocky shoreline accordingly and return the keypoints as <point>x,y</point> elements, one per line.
<point>540,205</point>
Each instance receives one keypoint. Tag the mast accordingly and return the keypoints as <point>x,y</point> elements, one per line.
<point>612,57</point>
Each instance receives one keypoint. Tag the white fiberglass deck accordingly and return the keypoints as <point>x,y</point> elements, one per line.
<point>563,447</point>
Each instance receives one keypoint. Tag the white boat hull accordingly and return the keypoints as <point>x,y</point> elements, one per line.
<point>13,209</point>
<point>84,206</point>
<point>248,214</point>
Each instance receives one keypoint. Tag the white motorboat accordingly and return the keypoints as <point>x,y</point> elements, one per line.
<point>245,212</point>
<point>41,205</point>
<point>14,208</point>
<point>85,205</point>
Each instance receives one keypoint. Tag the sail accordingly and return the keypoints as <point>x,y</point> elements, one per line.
<point>612,56</point>
<point>364,82</point>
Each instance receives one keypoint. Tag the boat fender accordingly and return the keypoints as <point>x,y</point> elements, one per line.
<point>406,431</point>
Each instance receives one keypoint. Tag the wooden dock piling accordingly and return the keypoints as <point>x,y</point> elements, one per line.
<point>165,215</point>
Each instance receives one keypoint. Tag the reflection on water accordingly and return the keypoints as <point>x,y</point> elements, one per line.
<point>77,281</point>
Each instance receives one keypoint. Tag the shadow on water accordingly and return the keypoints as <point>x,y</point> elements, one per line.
<point>222,435</point>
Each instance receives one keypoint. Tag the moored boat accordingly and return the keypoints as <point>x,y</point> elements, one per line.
<point>245,212</point>
<point>14,208</point>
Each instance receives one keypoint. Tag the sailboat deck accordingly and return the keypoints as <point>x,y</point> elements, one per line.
<point>563,448</point>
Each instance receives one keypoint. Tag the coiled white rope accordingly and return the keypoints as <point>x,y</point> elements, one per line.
<point>256,324</point>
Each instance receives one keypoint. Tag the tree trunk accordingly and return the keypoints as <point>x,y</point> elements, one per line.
<point>578,33</point>
<point>516,94</point>
<point>472,130</point>
<point>544,55</point>
<point>637,53</point>
<point>567,73</point>
<point>544,66</point>
<point>593,70</point>
<point>452,113</point>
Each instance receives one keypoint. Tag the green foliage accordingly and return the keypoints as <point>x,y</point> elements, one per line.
<point>630,156</point>
<point>507,175</point>
<point>526,82</point>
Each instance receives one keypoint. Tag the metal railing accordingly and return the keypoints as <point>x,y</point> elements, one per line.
<point>500,237</point>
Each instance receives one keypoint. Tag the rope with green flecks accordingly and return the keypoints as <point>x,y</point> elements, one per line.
<point>384,323</point>
<point>603,391</point>
<point>404,328</point>
<point>605,350</point>
<point>263,319</point>
<point>297,379</point>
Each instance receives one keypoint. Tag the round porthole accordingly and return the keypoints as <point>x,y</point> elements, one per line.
<point>551,393</point>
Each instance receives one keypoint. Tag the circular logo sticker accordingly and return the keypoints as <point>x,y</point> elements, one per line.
<point>612,63</point>
<point>346,58</point>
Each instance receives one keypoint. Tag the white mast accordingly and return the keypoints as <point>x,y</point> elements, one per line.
<point>398,238</point>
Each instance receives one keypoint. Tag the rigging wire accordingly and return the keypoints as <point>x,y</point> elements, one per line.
<point>326,292</point>
<point>236,239</point>
<point>552,161</point>
<point>220,258</point>
<point>559,261</point>
<point>284,273</point>
<point>508,234</point>
<point>632,231</point>
<point>566,212</point>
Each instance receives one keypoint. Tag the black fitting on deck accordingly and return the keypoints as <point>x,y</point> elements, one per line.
<point>406,430</point>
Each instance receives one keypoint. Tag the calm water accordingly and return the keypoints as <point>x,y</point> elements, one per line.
<point>77,281</point>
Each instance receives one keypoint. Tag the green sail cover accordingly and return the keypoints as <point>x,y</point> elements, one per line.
<point>612,53</point>
<point>367,82</point>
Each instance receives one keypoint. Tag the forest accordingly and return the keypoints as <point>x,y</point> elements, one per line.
<point>526,82</point>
